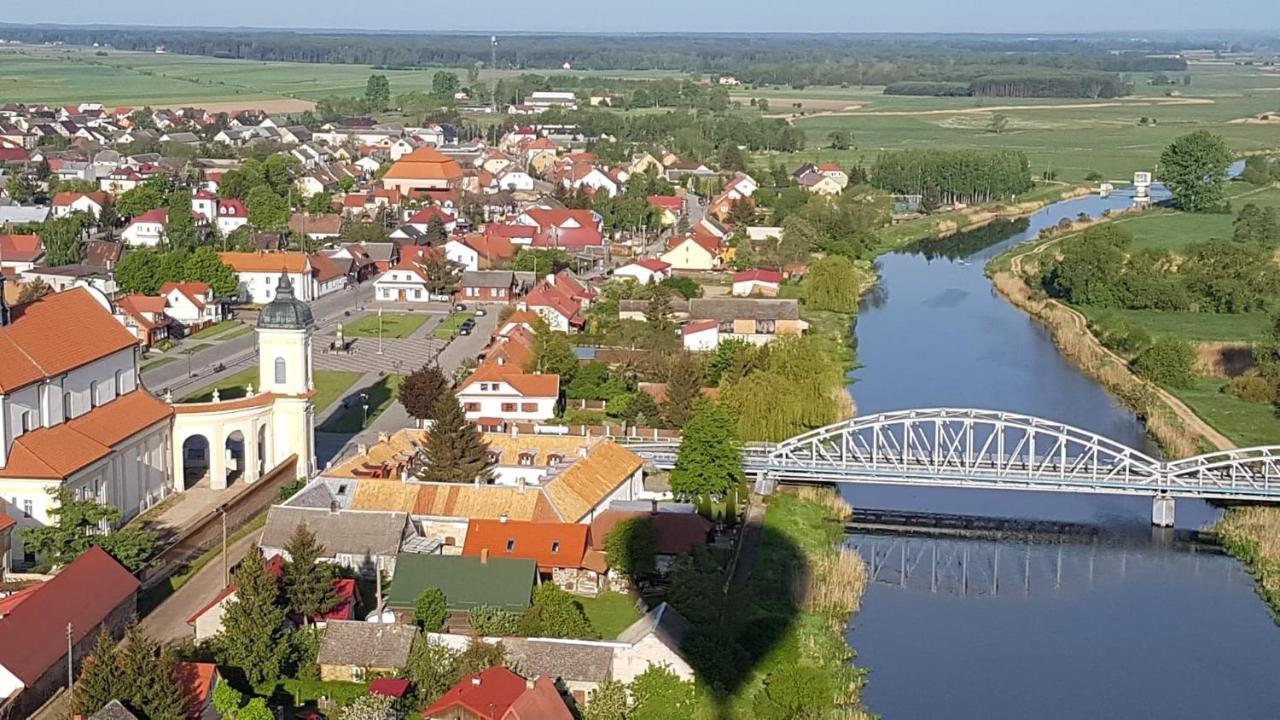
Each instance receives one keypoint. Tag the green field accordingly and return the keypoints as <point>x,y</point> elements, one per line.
<point>352,420</point>
<point>1194,327</point>
<point>1173,231</point>
<point>70,74</point>
<point>394,325</point>
<point>1246,423</point>
<point>610,612</point>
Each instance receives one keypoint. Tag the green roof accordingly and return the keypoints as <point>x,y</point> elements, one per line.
<point>505,583</point>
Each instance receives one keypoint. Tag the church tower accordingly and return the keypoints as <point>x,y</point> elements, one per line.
<point>284,369</point>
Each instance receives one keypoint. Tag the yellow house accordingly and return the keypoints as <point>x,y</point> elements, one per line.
<point>693,252</point>
<point>644,163</point>
<point>819,184</point>
<point>540,160</point>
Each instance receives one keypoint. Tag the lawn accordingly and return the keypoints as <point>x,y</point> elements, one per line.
<point>215,330</point>
<point>1173,231</point>
<point>158,362</point>
<point>610,613</point>
<point>1247,424</point>
<point>330,385</point>
<point>394,325</point>
<point>350,421</point>
<point>448,329</point>
<point>244,330</point>
<point>1194,327</point>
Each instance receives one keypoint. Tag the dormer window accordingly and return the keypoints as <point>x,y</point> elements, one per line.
<point>526,458</point>
<point>554,458</point>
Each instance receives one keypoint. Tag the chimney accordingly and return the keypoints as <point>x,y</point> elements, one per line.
<point>333,506</point>
<point>382,436</point>
<point>520,485</point>
<point>503,517</point>
<point>528,683</point>
<point>484,560</point>
<point>475,681</point>
<point>362,449</point>
<point>653,507</point>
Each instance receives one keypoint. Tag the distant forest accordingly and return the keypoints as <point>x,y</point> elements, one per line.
<point>1061,66</point>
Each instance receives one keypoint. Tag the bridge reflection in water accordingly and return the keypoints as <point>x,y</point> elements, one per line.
<point>992,568</point>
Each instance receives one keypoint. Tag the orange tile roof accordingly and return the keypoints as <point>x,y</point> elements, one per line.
<point>480,502</point>
<point>592,479</point>
<point>265,262</point>
<point>121,418</point>
<point>56,334</point>
<point>528,385</point>
<point>540,702</point>
<point>425,163</point>
<point>550,544</point>
<point>6,522</point>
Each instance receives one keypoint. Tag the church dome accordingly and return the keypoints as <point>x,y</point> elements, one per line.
<point>285,312</point>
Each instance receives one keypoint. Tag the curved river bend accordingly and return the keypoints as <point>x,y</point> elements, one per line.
<point>1130,626</point>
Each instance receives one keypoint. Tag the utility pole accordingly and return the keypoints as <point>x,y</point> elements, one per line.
<point>70,679</point>
<point>493,65</point>
<point>226,576</point>
<point>379,331</point>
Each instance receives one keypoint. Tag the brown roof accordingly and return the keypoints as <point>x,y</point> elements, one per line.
<point>323,269</point>
<point>550,544</point>
<point>527,384</point>
<point>540,702</point>
<point>55,334</point>
<point>329,224</point>
<point>425,163</point>
<point>21,248</point>
<point>265,262</point>
<point>676,533</point>
<point>479,502</point>
<point>6,522</point>
<point>33,636</point>
<point>592,479</point>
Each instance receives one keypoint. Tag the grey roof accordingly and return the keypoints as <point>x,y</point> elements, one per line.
<point>285,312</point>
<point>113,711</point>
<point>560,660</point>
<point>354,532</point>
<point>487,278</point>
<point>365,644</point>
<point>21,214</point>
<point>77,271</point>
<point>381,251</point>
<point>316,495</point>
<point>664,622</point>
<point>676,305</point>
<point>743,309</point>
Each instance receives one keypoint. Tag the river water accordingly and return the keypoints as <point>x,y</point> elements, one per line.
<point>1134,625</point>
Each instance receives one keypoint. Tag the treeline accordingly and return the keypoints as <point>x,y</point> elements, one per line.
<point>950,176</point>
<point>927,89</point>
<point>686,133</point>
<point>1044,84</point>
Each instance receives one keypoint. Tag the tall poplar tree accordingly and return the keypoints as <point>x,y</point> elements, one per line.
<point>456,450</point>
<point>252,638</point>
<point>684,387</point>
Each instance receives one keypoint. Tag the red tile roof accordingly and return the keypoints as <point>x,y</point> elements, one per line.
<point>193,291</point>
<point>6,522</point>
<point>391,687</point>
<point>34,636</point>
<point>676,532</point>
<point>758,275</point>
<point>486,694</point>
<point>20,248</point>
<point>64,199</point>
<point>197,681</point>
<point>551,545</point>
<point>526,384</point>
<point>540,702</point>
<point>425,163</point>
<point>56,334</point>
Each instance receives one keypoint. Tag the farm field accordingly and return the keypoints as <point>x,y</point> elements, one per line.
<point>1190,326</point>
<point>65,74</point>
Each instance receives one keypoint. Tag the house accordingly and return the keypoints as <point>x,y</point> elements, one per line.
<point>321,227</point>
<point>495,395</point>
<point>327,275</point>
<point>820,184</point>
<point>232,215</point>
<point>834,172</point>
<point>259,274</point>
<point>655,639</point>
<point>357,540</point>
<point>487,286</point>
<point>671,209</point>
<point>481,251</point>
<point>353,651</point>
<point>207,621</point>
<point>73,413</point>
<point>757,321</point>
<point>541,700</point>
<point>563,228</point>
<point>560,299</point>
<point>545,99</point>
<point>191,304</point>
<point>20,252</point>
<point>644,271</point>
<point>757,283</point>
<point>696,251</point>
<point>515,180</point>
<point>144,316</point>
<point>408,281</point>
<point>92,594</point>
<point>674,533</point>
<point>559,549</point>
<point>65,203</point>
<point>467,582</point>
<point>486,695</point>
<point>198,679</point>
<point>114,710</point>
<point>426,168</point>
<point>146,229</point>
<point>580,667</point>
<point>65,277</point>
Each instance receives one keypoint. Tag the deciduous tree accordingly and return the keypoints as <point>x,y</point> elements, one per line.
<point>684,387</point>
<point>421,390</point>
<point>659,694</point>
<point>267,210</point>
<point>1194,168</point>
<point>631,547</point>
<point>430,610</point>
<point>607,702</point>
<point>709,463</point>
<point>555,614</point>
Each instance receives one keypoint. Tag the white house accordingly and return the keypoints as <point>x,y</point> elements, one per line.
<point>758,282</point>
<point>259,274</point>
<point>65,203</point>
<point>406,282</point>
<point>232,214</point>
<point>462,254</point>
<point>499,393</point>
<point>644,271</point>
<point>205,204</point>
<point>702,336</point>
<point>191,304</point>
<point>513,180</point>
<point>147,229</point>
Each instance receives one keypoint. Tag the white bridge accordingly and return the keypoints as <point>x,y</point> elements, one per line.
<point>947,447</point>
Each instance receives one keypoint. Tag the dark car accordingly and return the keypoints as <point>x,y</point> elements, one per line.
<point>467,326</point>
<point>460,307</point>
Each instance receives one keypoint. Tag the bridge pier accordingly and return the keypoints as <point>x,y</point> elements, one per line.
<point>765,485</point>
<point>1162,511</point>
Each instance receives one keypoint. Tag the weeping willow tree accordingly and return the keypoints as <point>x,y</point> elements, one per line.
<point>796,388</point>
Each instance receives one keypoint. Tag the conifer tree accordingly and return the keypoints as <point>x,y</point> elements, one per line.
<point>684,387</point>
<point>252,638</point>
<point>160,694</point>
<point>308,584</point>
<point>99,681</point>
<point>456,450</point>
<point>137,656</point>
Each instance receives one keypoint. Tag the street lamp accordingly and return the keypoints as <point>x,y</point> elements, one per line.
<point>189,352</point>
<point>364,403</point>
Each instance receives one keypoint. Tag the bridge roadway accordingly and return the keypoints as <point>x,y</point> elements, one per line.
<point>984,449</point>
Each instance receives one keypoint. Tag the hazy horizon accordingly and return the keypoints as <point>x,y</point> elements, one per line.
<point>680,16</point>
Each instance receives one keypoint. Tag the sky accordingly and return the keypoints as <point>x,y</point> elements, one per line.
<point>1015,16</point>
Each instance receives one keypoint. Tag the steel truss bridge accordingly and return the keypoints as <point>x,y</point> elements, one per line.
<point>948,447</point>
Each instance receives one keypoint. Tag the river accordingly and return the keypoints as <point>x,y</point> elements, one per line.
<point>1134,625</point>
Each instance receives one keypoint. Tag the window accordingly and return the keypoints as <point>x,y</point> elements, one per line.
<point>472,407</point>
<point>417,294</point>
<point>27,508</point>
<point>93,394</point>
<point>555,546</point>
<point>342,489</point>
<point>280,371</point>
<point>508,407</point>
<point>357,673</point>
<point>528,407</point>
<point>526,458</point>
<point>766,327</point>
<point>493,457</point>
<point>554,458</point>
<point>267,280</point>
<point>511,544</point>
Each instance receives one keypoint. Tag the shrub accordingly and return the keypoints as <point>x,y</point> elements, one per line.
<point>492,622</point>
<point>431,609</point>
<point>1251,387</point>
<point>1093,176</point>
<point>1167,362</point>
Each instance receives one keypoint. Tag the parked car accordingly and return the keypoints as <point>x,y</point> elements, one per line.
<point>467,326</point>
<point>480,312</point>
<point>460,307</point>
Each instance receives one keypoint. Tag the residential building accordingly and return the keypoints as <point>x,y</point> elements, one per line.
<point>145,317</point>
<point>484,251</point>
<point>198,679</point>
<point>486,695</point>
<point>645,271</point>
<point>655,639</point>
<point>259,274</point>
<point>73,413</point>
<point>65,277</point>
<point>495,395</point>
<point>487,286</point>
<point>757,321</point>
<point>191,304</point>
<point>674,533</point>
<point>560,299</point>
<point>407,282</point>
<point>672,208</point>
<point>19,253</point>
<point>232,215</point>
<point>354,651</point>
<point>317,227</point>
<point>92,594</point>
<point>360,541</point>
<point>834,172</point>
<point>146,229</point>
<point>505,583</point>
<point>559,549</point>
<point>7,524</point>
<point>426,168</point>
<point>579,667</point>
<point>541,700</point>
<point>695,251</point>
<point>207,621</point>
<point>757,283</point>
<point>65,203</point>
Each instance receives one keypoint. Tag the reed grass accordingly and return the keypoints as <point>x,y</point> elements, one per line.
<point>828,499</point>
<point>1252,534</point>
<point>837,582</point>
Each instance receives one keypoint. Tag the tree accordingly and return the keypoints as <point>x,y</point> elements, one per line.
<point>430,610</point>
<point>659,694</point>
<point>161,696</point>
<point>685,287</point>
<point>552,353</point>
<point>437,233</point>
<point>75,528</point>
<point>226,700</point>
<point>205,266</point>
<point>1257,225</point>
<point>368,707</point>
<point>252,638</point>
<point>320,203</point>
<point>833,283</point>
<point>20,188</point>
<point>61,238</point>
<point>267,210</point>
<point>442,274</point>
<point>139,272</point>
<point>555,614</point>
<point>1194,168</point>
<point>180,229</point>
<point>99,681</point>
<point>793,692</point>
<point>431,668</point>
<point>144,197</point>
<point>540,261</point>
<point>308,582</point>
<point>840,139</point>
<point>1257,170</point>
<point>607,702</point>
<point>456,450</point>
<point>709,463</point>
<point>377,93</point>
<point>421,390</point>
<point>1169,362</point>
<point>684,387</point>
<point>444,85</point>
<point>256,709</point>
<point>631,547</point>
<point>489,621</point>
